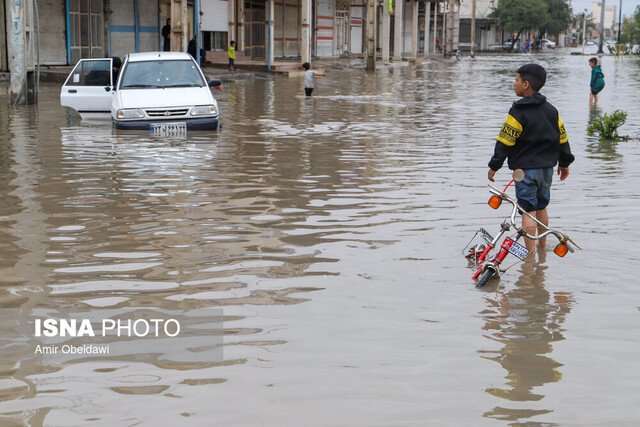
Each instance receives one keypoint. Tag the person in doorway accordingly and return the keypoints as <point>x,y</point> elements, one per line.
<point>232,54</point>
<point>116,63</point>
<point>309,75</point>
<point>438,44</point>
<point>597,81</point>
<point>166,36</point>
<point>533,138</point>
<point>192,48</point>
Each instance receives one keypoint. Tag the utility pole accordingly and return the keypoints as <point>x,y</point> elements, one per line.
<point>473,28</point>
<point>601,42</point>
<point>371,34</point>
<point>444,27</point>
<point>620,22</point>
<point>584,29</point>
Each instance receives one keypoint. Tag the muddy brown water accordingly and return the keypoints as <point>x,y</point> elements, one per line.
<point>329,231</point>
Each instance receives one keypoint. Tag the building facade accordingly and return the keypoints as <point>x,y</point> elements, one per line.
<point>289,29</point>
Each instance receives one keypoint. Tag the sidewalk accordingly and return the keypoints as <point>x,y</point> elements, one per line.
<point>245,69</point>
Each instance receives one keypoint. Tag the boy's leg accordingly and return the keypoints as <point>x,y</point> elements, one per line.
<point>533,192</point>
<point>530,226</point>
<point>543,217</point>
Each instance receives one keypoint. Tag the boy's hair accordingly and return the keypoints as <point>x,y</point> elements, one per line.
<point>306,66</point>
<point>231,43</point>
<point>594,60</point>
<point>534,74</point>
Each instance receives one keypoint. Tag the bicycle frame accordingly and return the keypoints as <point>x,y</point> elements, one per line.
<point>564,245</point>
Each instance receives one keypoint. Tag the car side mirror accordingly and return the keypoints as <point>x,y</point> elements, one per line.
<point>215,83</point>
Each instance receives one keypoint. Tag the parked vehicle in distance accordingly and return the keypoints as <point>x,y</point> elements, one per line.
<point>508,42</point>
<point>154,90</point>
<point>548,43</point>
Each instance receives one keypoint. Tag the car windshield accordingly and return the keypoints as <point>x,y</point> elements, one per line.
<point>161,74</point>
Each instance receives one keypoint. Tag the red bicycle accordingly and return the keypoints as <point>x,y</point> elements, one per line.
<point>480,253</point>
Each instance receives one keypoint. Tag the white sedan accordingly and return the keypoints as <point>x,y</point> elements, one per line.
<point>548,43</point>
<point>154,90</point>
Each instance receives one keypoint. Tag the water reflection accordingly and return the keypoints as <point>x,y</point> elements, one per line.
<point>526,320</point>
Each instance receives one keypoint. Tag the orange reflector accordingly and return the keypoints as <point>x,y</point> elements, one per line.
<point>561,250</point>
<point>495,202</point>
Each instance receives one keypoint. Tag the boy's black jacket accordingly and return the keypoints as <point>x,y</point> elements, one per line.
<point>532,137</point>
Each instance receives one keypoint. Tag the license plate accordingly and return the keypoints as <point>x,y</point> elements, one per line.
<point>518,250</point>
<point>169,129</point>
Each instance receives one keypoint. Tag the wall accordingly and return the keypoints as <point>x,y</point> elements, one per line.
<point>407,27</point>
<point>324,27</point>
<point>122,28</point>
<point>286,28</point>
<point>215,15</point>
<point>123,36</point>
<point>356,27</point>
<point>53,31</point>
<point>149,38</point>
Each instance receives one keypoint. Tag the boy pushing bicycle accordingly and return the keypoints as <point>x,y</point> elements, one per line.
<point>532,138</point>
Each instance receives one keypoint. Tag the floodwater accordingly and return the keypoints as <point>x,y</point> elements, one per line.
<point>329,232</point>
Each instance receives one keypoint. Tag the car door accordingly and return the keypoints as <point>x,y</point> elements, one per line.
<point>88,89</point>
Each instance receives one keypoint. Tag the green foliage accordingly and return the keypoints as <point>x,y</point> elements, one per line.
<point>607,125</point>
<point>559,17</point>
<point>517,16</point>
<point>631,28</point>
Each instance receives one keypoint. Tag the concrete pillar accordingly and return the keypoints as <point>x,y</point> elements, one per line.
<point>398,31</point>
<point>16,51</point>
<point>435,27</point>
<point>443,39</point>
<point>473,28</point>
<point>3,40</point>
<point>427,28</point>
<point>179,25</point>
<point>269,33</point>
<point>371,34</point>
<point>414,30</point>
<point>305,33</point>
<point>386,24</point>
<point>231,14</point>
<point>240,45</point>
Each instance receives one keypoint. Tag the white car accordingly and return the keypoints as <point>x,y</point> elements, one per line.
<point>154,90</point>
<point>548,43</point>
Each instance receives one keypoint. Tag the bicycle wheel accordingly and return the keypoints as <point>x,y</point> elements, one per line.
<point>485,277</point>
<point>458,55</point>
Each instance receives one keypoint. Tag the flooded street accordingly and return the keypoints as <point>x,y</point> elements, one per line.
<point>328,232</point>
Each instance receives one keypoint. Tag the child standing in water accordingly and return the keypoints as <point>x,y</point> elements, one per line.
<point>309,75</point>
<point>597,80</point>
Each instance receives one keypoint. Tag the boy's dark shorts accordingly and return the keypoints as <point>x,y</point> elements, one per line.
<point>308,91</point>
<point>534,191</point>
<point>231,62</point>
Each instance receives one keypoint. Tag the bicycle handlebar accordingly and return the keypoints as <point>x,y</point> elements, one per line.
<point>563,238</point>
